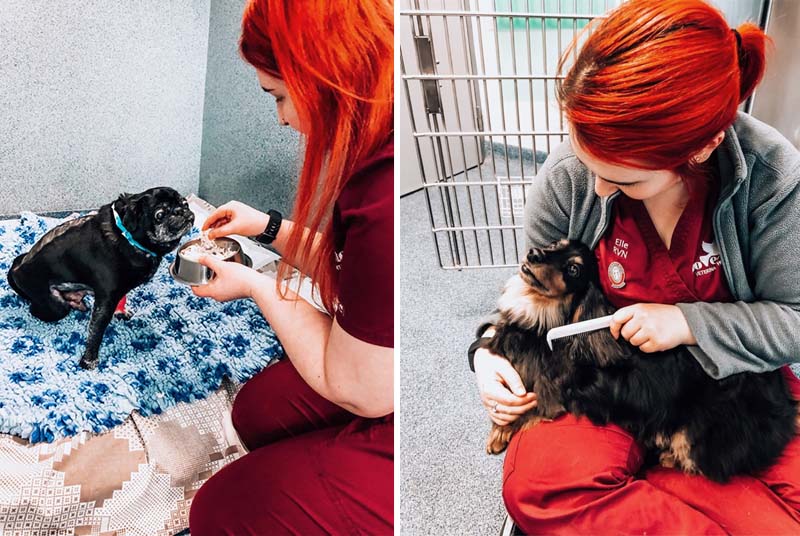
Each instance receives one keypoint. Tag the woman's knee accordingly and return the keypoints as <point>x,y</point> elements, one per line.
<point>566,458</point>
<point>256,409</point>
<point>204,515</point>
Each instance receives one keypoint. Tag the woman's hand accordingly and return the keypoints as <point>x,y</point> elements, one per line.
<point>501,388</point>
<point>653,327</point>
<point>235,218</point>
<point>231,281</point>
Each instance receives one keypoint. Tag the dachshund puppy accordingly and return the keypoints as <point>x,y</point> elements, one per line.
<point>679,414</point>
<point>106,254</point>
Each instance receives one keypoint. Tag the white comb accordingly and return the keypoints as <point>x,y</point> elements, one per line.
<point>578,327</point>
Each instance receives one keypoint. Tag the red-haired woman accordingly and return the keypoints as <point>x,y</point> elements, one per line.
<point>319,425</point>
<point>693,211</point>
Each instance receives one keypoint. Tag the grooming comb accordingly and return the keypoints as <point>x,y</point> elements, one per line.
<point>577,328</point>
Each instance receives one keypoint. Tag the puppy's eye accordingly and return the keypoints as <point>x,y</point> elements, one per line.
<point>573,270</point>
<point>159,215</point>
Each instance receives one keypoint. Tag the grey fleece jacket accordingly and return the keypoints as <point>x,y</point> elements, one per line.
<point>757,225</point>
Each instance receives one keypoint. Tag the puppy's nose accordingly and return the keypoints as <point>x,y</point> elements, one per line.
<point>535,255</point>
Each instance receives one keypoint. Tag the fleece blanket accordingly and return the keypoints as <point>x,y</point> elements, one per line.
<point>176,348</point>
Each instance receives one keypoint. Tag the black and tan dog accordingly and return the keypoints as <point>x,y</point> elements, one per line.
<point>682,416</point>
<point>106,254</point>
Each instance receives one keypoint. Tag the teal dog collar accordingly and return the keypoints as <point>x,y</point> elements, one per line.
<point>132,241</point>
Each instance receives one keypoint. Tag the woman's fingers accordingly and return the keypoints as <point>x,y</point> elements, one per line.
<point>502,419</point>
<point>222,215</point>
<point>513,410</point>
<point>649,347</point>
<point>504,407</point>
<point>509,375</point>
<point>630,328</point>
<point>639,338</point>
<point>497,392</point>
<point>619,320</point>
<point>221,229</point>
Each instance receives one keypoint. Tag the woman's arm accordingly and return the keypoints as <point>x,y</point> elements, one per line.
<point>353,374</point>
<point>287,227</point>
<point>236,217</point>
<point>761,333</point>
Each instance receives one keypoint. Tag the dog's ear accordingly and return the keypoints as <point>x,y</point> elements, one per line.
<point>595,347</point>
<point>591,304</point>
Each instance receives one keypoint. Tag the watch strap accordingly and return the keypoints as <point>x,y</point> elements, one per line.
<point>273,226</point>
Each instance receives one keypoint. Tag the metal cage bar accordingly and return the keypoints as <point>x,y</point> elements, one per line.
<point>485,83</point>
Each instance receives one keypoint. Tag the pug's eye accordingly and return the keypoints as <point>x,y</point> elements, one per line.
<point>573,270</point>
<point>160,215</point>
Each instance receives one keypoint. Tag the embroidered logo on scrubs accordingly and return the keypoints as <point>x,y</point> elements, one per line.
<point>708,262</point>
<point>616,273</point>
<point>337,260</point>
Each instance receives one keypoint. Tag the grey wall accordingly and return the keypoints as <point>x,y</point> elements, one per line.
<point>246,155</point>
<point>99,97</point>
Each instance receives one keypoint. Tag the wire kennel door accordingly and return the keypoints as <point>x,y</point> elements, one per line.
<point>479,82</point>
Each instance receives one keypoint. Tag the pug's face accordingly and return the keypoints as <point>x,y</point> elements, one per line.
<point>157,218</point>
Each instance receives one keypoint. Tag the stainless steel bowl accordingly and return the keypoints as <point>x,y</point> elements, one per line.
<point>191,272</point>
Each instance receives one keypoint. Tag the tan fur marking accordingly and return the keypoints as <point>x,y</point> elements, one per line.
<point>578,314</point>
<point>554,280</point>
<point>500,436</point>
<point>666,459</point>
<point>527,307</point>
<point>498,440</point>
<point>681,450</point>
<point>533,421</point>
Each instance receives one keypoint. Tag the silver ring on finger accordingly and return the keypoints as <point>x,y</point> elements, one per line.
<point>494,407</point>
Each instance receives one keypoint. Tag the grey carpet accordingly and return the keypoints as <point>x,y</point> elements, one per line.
<point>448,484</point>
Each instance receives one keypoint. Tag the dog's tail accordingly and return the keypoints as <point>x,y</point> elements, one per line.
<point>10,276</point>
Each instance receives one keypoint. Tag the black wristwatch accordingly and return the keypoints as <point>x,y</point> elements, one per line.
<point>271,232</point>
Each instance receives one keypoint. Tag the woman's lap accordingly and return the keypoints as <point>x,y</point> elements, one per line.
<point>277,403</point>
<point>313,468</point>
<point>327,481</point>
<point>572,476</point>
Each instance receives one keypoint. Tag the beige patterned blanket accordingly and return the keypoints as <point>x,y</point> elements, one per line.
<point>137,480</point>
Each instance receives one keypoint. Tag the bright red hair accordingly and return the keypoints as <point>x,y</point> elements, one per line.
<point>657,80</point>
<point>337,61</point>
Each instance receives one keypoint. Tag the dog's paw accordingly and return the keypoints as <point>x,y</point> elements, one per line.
<point>498,439</point>
<point>123,315</point>
<point>88,363</point>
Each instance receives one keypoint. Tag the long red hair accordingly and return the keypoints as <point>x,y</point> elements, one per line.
<point>657,80</point>
<point>337,61</point>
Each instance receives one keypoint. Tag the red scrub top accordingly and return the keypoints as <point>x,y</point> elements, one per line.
<point>363,234</point>
<point>636,266</point>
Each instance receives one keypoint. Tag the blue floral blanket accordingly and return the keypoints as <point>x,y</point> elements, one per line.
<point>176,348</point>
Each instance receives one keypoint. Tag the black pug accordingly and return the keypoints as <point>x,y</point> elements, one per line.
<point>683,417</point>
<point>91,254</point>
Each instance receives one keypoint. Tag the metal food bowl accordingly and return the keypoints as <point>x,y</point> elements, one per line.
<point>190,272</point>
